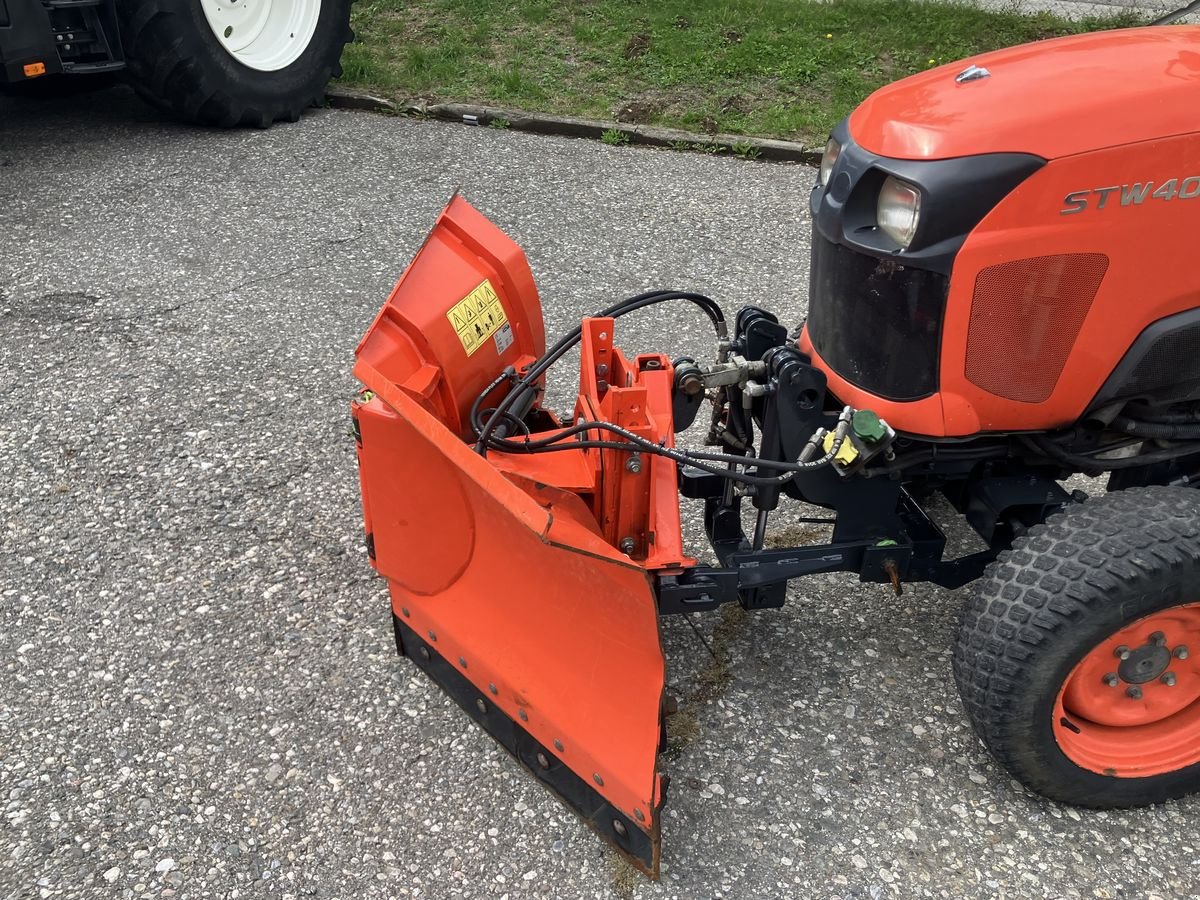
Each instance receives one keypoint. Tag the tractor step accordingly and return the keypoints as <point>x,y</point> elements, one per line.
<point>58,37</point>
<point>86,35</point>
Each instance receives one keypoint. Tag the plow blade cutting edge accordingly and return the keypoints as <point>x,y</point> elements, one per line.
<point>508,587</point>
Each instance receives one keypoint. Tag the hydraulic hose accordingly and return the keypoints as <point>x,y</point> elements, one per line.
<point>1162,431</point>
<point>1090,465</point>
<point>525,385</point>
<point>1143,413</point>
<point>698,459</point>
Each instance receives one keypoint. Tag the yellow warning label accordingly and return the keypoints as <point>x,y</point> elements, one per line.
<point>477,316</point>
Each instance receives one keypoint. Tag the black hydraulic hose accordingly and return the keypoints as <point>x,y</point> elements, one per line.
<point>1178,14</point>
<point>1161,431</point>
<point>1088,464</point>
<point>528,380</point>
<point>1143,413</point>
<point>509,372</point>
<point>698,459</point>
<point>920,457</point>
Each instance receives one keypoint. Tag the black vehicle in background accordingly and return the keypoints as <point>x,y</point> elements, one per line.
<point>212,62</point>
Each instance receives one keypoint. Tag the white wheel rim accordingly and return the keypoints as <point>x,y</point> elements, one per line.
<point>266,35</point>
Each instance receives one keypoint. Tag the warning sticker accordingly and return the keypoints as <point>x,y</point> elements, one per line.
<point>504,338</point>
<point>477,316</point>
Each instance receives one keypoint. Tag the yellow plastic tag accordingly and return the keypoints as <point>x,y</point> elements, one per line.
<point>477,316</point>
<point>847,453</point>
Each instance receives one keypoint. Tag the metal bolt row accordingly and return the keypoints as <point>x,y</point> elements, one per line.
<point>542,759</point>
<point>1170,679</point>
<point>1113,680</point>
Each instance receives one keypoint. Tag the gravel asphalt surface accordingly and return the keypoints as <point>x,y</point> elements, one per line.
<point>200,696</point>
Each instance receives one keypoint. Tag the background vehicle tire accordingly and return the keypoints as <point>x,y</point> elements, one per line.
<point>1078,658</point>
<point>234,62</point>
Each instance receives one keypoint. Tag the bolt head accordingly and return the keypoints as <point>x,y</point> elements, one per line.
<point>558,746</point>
<point>481,705</point>
<point>640,815</point>
<point>433,637</point>
<point>1112,679</point>
<point>543,760</point>
<point>619,827</point>
<point>627,545</point>
<point>462,662</point>
<point>1181,652</point>
<point>492,688</point>
<point>1121,652</point>
<point>596,778</point>
<point>524,715</point>
<point>633,464</point>
<point>1168,679</point>
<point>1133,692</point>
<point>424,651</point>
<point>1158,639</point>
<point>404,611</point>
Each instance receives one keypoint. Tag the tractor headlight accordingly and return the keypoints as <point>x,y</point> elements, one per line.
<point>899,210</point>
<point>828,158</point>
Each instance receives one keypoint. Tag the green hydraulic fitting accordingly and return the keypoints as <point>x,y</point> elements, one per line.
<point>868,427</point>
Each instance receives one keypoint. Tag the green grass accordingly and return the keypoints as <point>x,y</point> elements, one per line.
<point>776,68</point>
<point>614,137</point>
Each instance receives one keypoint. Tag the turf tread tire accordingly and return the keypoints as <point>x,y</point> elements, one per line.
<point>1064,587</point>
<point>176,63</point>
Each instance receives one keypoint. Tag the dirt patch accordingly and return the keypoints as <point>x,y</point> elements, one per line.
<point>798,535</point>
<point>683,725</point>
<point>888,67</point>
<point>735,103</point>
<point>638,111</point>
<point>638,45</point>
<point>625,878</point>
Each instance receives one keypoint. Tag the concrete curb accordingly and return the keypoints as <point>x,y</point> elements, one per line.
<point>541,123</point>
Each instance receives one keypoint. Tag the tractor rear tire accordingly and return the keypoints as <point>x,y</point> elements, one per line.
<point>1078,657</point>
<point>184,61</point>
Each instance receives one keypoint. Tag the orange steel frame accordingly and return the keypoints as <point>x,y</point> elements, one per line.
<point>507,567</point>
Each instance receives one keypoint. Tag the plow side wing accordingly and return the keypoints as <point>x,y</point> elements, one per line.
<point>503,589</point>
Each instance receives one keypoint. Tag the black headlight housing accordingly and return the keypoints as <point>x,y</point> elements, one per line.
<point>876,309</point>
<point>955,196</point>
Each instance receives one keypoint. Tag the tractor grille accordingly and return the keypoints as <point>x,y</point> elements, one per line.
<point>1025,316</point>
<point>1172,362</point>
<point>876,322</point>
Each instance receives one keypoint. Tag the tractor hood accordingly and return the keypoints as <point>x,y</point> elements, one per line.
<point>1052,98</point>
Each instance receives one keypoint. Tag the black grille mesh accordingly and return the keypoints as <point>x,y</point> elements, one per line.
<point>1173,360</point>
<point>876,322</point>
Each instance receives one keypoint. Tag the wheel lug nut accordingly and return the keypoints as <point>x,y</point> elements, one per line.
<point>1133,692</point>
<point>1158,639</point>
<point>1181,652</point>
<point>1121,652</point>
<point>1168,679</point>
<point>1111,679</point>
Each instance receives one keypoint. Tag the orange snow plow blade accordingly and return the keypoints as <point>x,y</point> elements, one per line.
<point>507,584</point>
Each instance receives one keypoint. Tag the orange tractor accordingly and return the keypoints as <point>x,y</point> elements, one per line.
<point>1000,299</point>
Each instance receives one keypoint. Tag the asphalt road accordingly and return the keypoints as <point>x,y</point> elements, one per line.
<point>200,696</point>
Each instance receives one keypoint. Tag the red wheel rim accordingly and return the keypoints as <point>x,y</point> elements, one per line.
<point>1131,707</point>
